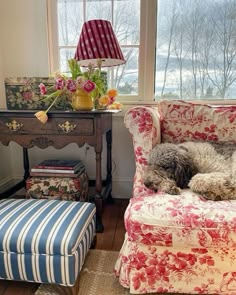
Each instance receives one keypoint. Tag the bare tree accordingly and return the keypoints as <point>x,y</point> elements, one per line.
<point>194,28</point>
<point>179,47</point>
<point>201,36</point>
<point>223,58</point>
<point>171,27</point>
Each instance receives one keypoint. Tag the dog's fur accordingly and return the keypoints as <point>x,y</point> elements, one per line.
<point>206,168</point>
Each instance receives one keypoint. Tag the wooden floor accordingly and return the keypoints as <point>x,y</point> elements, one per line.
<point>111,239</point>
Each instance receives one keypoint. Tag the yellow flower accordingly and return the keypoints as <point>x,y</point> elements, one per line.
<point>104,100</point>
<point>41,116</point>
<point>115,106</point>
<point>112,92</point>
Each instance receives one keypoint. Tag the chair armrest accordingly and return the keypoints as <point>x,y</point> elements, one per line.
<point>143,123</point>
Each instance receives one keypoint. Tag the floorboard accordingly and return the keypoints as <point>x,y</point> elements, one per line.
<point>111,239</point>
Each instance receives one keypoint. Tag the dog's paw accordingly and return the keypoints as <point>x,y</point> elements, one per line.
<point>212,197</point>
<point>151,185</point>
<point>170,188</point>
<point>174,191</point>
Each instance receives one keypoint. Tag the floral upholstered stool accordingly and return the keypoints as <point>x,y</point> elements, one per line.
<point>45,241</point>
<point>61,188</point>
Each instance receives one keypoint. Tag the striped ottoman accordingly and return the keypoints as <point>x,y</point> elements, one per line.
<point>44,241</point>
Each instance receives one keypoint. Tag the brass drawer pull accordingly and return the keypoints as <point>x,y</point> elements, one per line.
<point>67,127</point>
<point>14,126</point>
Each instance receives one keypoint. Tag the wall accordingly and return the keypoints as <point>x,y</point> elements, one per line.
<point>23,52</point>
<point>4,151</point>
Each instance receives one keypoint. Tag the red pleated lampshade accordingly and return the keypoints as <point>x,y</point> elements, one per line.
<point>98,42</point>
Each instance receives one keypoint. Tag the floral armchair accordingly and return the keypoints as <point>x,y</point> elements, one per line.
<point>177,243</point>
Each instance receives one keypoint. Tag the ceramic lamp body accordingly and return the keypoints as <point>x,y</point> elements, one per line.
<point>82,101</point>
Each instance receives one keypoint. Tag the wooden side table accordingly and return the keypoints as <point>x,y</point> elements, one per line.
<point>62,128</point>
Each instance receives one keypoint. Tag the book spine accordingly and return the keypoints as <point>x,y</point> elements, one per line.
<point>52,170</point>
<point>53,167</point>
<point>43,174</point>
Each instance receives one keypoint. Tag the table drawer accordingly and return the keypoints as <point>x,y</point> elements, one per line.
<point>54,126</point>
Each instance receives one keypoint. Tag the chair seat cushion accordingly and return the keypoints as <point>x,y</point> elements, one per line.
<point>181,220</point>
<point>44,240</point>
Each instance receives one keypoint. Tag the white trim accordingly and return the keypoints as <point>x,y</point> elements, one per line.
<point>122,187</point>
<point>52,34</point>
<point>6,180</point>
<point>148,21</point>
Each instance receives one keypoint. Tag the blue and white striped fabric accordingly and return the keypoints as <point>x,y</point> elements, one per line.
<point>44,240</point>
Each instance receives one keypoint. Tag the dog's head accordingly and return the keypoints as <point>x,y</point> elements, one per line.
<point>174,162</point>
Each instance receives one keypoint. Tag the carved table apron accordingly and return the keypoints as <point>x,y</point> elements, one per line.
<point>62,129</point>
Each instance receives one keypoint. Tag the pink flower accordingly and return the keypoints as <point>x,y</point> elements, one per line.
<point>137,279</point>
<point>43,89</point>
<point>112,100</point>
<point>89,86</point>
<point>80,81</point>
<point>71,85</point>
<point>60,84</point>
<point>27,95</point>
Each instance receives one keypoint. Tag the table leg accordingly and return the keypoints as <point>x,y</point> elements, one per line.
<point>98,190</point>
<point>26,163</point>
<point>109,166</point>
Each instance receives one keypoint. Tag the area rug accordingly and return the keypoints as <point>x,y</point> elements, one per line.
<point>96,278</point>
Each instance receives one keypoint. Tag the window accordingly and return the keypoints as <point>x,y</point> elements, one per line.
<point>180,49</point>
<point>196,49</point>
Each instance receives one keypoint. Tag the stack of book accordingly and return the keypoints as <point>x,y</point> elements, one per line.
<point>58,168</point>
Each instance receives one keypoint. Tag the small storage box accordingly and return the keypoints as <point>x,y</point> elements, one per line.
<point>60,188</point>
<point>23,93</point>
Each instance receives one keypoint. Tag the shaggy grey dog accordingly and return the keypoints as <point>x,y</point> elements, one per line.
<point>206,168</point>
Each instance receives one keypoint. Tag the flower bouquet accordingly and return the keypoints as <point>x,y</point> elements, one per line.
<point>88,86</point>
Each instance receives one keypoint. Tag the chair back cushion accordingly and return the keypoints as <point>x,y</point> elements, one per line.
<point>183,121</point>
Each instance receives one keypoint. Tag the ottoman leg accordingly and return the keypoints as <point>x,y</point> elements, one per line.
<point>93,245</point>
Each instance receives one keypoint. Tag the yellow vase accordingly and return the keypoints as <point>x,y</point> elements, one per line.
<point>82,101</point>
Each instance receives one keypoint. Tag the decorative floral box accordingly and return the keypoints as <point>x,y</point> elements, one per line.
<point>58,188</point>
<point>24,94</point>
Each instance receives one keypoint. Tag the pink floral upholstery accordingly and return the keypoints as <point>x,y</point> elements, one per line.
<point>174,221</point>
<point>182,121</point>
<point>182,243</point>
<point>144,126</point>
